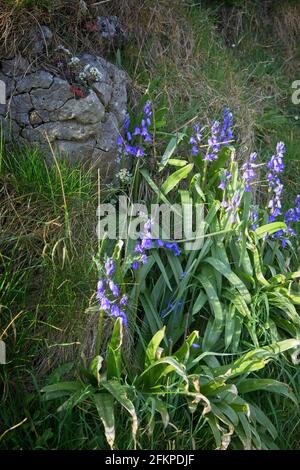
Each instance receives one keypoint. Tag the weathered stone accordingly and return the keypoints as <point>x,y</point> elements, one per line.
<point>40,40</point>
<point>54,97</point>
<point>42,108</point>
<point>110,130</point>
<point>19,107</point>
<point>75,152</point>
<point>40,79</point>
<point>69,130</point>
<point>35,119</point>
<point>103,91</point>
<point>15,67</point>
<point>86,110</point>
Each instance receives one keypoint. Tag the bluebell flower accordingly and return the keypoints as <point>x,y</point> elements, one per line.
<point>144,259</point>
<point>196,140</point>
<point>124,300</point>
<point>275,166</point>
<point>115,311</point>
<point>104,303</point>
<point>173,247</point>
<point>138,248</point>
<point>254,218</point>
<point>100,288</point>
<point>124,318</point>
<point>226,177</point>
<point>226,132</point>
<point>248,171</point>
<point>114,289</point>
<point>128,146</point>
<point>139,152</point>
<point>110,267</point>
<point>233,205</point>
<point>146,243</point>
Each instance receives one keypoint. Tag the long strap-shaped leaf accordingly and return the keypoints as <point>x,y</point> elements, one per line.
<point>104,403</point>
<point>171,147</point>
<point>231,276</point>
<point>113,357</point>
<point>270,385</point>
<point>175,178</point>
<point>213,300</point>
<point>153,346</point>
<point>119,393</point>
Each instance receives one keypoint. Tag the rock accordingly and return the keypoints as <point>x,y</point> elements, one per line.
<point>41,40</point>
<point>19,108</point>
<point>52,98</point>
<point>35,119</point>
<point>110,28</point>
<point>103,91</point>
<point>15,67</point>
<point>42,108</point>
<point>87,110</point>
<point>40,79</point>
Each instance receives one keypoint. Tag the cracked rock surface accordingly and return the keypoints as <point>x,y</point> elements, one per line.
<point>41,106</point>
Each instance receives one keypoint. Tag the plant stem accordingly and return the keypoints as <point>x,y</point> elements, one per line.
<point>204,174</point>
<point>99,332</point>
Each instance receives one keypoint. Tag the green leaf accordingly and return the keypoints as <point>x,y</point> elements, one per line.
<point>119,393</point>
<point>199,303</point>
<point>171,147</point>
<point>75,399</point>
<point>160,264</point>
<point>153,375</point>
<point>177,162</point>
<point>153,346</point>
<point>269,385</point>
<point>151,313</point>
<point>69,387</point>
<point>104,403</point>
<point>257,266</point>
<point>212,299</point>
<point>175,178</point>
<point>269,229</point>
<point>182,354</point>
<point>229,274</point>
<point>262,419</point>
<point>113,356</point>
<point>96,366</point>
<point>256,359</point>
<point>162,409</point>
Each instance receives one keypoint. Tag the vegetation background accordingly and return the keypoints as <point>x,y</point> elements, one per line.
<point>198,57</point>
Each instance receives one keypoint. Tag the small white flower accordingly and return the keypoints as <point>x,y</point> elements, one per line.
<point>124,176</point>
<point>64,49</point>
<point>82,76</point>
<point>96,74</point>
<point>93,72</point>
<point>74,61</point>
